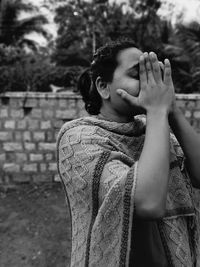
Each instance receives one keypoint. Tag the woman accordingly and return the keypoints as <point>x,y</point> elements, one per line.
<point>127,183</point>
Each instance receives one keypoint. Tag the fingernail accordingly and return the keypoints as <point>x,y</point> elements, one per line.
<point>153,55</point>
<point>167,61</point>
<point>141,57</point>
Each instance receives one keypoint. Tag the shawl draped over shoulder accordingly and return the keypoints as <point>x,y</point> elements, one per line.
<point>97,163</point>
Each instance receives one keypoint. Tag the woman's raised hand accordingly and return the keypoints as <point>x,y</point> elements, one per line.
<point>156,93</point>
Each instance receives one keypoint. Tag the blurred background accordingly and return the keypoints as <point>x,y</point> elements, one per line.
<point>44,46</point>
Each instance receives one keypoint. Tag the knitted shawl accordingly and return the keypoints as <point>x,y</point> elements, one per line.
<point>97,163</point>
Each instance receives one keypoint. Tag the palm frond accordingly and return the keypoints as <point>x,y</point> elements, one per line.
<point>31,24</point>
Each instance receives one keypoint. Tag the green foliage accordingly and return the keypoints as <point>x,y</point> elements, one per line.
<point>84,26</point>
<point>13,29</point>
<point>190,41</point>
<point>183,50</point>
<point>148,27</point>
<point>32,72</point>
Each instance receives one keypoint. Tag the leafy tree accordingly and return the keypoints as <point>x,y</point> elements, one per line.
<point>184,52</point>
<point>83,26</point>
<point>180,44</point>
<point>13,29</point>
<point>150,30</point>
<point>32,72</point>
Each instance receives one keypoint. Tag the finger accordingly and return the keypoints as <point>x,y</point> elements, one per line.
<point>161,65</point>
<point>150,77</point>
<point>132,100</point>
<point>167,72</point>
<point>155,67</point>
<point>143,75</point>
<point>161,68</point>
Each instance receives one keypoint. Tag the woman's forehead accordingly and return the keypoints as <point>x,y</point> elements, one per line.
<point>129,56</point>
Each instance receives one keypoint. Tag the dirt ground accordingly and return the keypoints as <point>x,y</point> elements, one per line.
<point>34,226</point>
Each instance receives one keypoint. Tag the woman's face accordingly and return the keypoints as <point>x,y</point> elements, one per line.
<point>126,76</point>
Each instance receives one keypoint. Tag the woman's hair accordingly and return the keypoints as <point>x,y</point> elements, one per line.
<point>104,64</point>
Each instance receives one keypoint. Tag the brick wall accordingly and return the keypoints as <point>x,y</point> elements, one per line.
<point>29,124</point>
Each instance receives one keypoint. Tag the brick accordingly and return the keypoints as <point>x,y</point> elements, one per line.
<point>21,124</point>
<point>48,113</point>
<point>31,102</point>
<point>21,157</point>
<point>188,114</point>
<point>47,146</point>
<point>6,136</point>
<point>57,124</point>
<point>52,166</point>
<point>190,104</point>
<point>49,156</point>
<point>12,146</point>
<point>11,167</point>
<point>56,135</point>
<point>16,102</point>
<point>3,113</point>
<point>45,125</point>
<point>57,178</point>
<point>47,102</point>
<point>27,136</point>
<point>1,179</point>
<point>36,157</point>
<point>36,113</point>
<point>21,178</point>
<point>66,114</point>
<point>33,124</point>
<point>18,136</point>
<point>10,156</point>
<point>43,167</point>
<point>50,136</point>
<point>197,114</point>
<point>63,103</point>
<point>40,178</point>
<point>16,113</point>
<point>2,158</point>
<point>72,103</point>
<point>7,178</point>
<point>30,167</point>
<point>29,146</point>
<point>10,124</point>
<point>181,103</point>
<point>39,136</point>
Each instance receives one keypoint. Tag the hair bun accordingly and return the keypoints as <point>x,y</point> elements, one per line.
<point>92,108</point>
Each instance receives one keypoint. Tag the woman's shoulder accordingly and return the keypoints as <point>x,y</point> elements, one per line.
<point>84,125</point>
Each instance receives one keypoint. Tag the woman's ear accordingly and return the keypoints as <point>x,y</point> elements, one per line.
<point>102,88</point>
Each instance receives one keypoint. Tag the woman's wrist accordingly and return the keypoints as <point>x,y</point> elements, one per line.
<point>157,113</point>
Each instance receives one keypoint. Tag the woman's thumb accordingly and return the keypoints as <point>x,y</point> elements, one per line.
<point>132,100</point>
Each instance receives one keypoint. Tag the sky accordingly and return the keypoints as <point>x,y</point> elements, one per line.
<point>191,9</point>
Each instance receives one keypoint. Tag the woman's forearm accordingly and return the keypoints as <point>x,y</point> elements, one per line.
<point>153,168</point>
<point>190,143</point>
